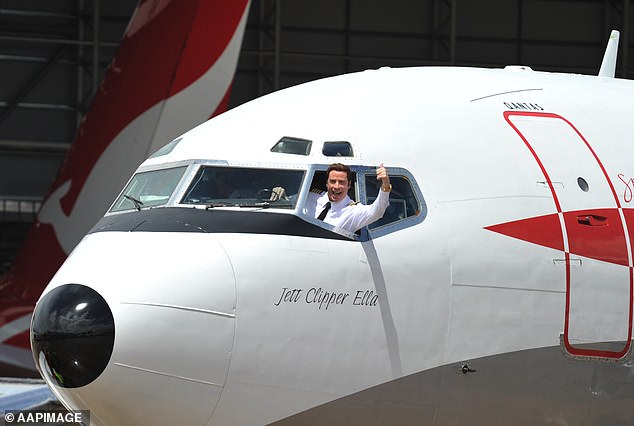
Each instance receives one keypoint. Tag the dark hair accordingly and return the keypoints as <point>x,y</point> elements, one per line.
<point>338,167</point>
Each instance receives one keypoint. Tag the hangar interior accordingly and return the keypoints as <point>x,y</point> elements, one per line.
<point>53,55</point>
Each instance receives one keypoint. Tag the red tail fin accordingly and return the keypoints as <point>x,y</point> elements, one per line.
<point>173,69</point>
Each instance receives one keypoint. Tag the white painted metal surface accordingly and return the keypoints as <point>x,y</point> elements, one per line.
<point>232,328</point>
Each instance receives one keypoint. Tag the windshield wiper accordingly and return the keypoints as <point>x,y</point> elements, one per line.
<point>263,205</point>
<point>212,205</point>
<point>137,203</point>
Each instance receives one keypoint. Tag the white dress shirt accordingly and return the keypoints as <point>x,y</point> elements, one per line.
<point>347,214</point>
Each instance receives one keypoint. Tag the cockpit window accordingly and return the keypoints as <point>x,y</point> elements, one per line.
<point>149,189</point>
<point>290,145</point>
<point>244,187</point>
<point>403,201</point>
<point>337,149</point>
<point>406,208</point>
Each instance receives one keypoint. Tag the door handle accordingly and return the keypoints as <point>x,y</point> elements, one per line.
<point>592,220</point>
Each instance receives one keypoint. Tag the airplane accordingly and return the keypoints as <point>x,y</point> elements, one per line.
<point>497,288</point>
<point>192,51</point>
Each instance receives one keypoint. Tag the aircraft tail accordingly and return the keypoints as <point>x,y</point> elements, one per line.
<point>173,70</point>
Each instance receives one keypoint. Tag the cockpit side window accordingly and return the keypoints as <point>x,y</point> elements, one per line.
<point>149,189</point>
<point>407,206</point>
<point>241,186</point>
<point>403,200</point>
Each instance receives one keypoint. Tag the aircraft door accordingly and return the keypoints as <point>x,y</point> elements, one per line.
<point>596,258</point>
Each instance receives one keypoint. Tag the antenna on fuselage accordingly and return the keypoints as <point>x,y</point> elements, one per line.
<point>608,66</point>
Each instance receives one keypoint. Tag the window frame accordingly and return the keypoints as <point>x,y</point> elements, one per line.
<point>360,191</point>
<point>358,186</point>
<point>152,168</point>
<point>364,171</point>
<point>189,181</point>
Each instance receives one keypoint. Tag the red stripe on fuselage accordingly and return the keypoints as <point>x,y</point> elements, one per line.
<point>605,242</point>
<point>542,230</point>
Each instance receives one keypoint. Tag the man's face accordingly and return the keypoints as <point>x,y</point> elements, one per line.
<point>337,185</point>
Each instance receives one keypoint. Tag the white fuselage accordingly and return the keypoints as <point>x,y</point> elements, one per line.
<point>222,319</point>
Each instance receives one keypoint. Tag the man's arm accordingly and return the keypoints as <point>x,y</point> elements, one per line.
<point>381,174</point>
<point>365,215</point>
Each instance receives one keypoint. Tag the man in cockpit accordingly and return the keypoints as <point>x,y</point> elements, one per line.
<point>335,207</point>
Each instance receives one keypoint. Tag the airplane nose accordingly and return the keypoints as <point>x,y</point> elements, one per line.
<point>72,335</point>
<point>171,296</point>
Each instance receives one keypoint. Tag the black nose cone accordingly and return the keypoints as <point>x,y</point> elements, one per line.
<point>72,335</point>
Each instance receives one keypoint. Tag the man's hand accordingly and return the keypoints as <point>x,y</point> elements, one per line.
<point>278,193</point>
<point>381,174</point>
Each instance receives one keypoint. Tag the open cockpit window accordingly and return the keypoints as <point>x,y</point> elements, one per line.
<point>318,184</point>
<point>406,203</point>
<point>215,186</point>
<point>149,189</point>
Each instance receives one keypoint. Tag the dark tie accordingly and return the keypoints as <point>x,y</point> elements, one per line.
<point>323,213</point>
